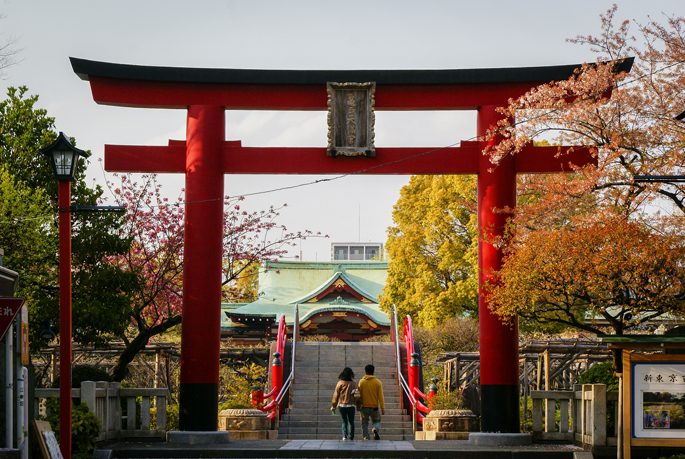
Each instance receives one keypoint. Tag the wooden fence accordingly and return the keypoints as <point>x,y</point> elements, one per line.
<point>106,399</point>
<point>575,416</point>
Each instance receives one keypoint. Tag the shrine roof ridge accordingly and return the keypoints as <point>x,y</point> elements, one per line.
<point>86,68</point>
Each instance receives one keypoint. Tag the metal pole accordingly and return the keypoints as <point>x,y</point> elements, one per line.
<point>24,390</point>
<point>65,318</point>
<point>9,379</point>
<point>19,388</point>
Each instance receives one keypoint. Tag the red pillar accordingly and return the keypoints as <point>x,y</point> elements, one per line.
<point>202,254</point>
<point>498,342</point>
<point>64,202</point>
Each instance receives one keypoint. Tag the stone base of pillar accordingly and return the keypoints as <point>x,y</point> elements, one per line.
<point>428,436</point>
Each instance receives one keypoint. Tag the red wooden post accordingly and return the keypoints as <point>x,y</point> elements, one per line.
<point>277,380</point>
<point>64,202</point>
<point>202,253</point>
<point>432,389</point>
<point>413,374</point>
<point>258,397</point>
<point>498,341</point>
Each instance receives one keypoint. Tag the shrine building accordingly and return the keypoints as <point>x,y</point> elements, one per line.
<point>337,298</point>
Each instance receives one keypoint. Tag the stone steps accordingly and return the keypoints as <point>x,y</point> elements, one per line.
<point>357,437</point>
<point>317,366</point>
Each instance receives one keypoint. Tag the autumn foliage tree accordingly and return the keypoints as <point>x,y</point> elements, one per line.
<point>620,270</point>
<point>597,241</point>
<point>155,258</point>
<point>432,248</point>
<point>627,117</point>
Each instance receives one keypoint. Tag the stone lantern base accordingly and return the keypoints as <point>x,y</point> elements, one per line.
<point>247,424</point>
<point>448,425</point>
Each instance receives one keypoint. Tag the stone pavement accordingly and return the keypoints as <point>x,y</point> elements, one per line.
<point>337,449</point>
<point>328,445</point>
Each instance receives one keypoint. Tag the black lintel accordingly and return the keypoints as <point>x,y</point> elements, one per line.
<point>86,68</point>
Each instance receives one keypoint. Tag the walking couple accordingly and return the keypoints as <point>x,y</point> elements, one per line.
<point>368,397</point>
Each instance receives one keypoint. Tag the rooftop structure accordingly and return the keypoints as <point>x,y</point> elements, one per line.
<point>337,299</point>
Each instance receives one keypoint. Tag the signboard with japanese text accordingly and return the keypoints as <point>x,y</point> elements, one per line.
<point>658,399</point>
<point>9,307</point>
<point>351,119</point>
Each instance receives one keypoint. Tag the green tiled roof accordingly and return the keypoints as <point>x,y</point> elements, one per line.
<point>283,284</point>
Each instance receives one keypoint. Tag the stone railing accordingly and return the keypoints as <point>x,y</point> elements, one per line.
<point>582,415</point>
<point>106,399</point>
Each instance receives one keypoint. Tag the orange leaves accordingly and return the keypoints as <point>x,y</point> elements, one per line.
<point>605,264</point>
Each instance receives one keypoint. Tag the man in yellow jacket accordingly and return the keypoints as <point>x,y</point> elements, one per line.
<point>371,390</point>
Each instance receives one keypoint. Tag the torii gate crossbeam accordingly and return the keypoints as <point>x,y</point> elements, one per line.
<point>205,156</point>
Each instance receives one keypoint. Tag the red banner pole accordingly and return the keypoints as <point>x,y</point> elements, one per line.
<point>65,318</point>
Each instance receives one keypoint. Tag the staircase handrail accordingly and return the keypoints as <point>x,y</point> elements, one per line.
<point>416,406</point>
<point>276,371</point>
<point>412,375</point>
<point>278,392</point>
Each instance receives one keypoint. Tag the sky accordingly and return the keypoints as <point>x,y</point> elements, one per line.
<point>300,35</point>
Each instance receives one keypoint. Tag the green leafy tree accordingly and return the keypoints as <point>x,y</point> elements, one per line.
<point>432,248</point>
<point>30,229</point>
<point>24,214</point>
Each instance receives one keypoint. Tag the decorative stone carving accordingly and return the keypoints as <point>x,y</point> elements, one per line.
<point>351,119</point>
<point>246,424</point>
<point>448,425</point>
<point>451,421</point>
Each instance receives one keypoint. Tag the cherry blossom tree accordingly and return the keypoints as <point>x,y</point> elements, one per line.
<point>154,226</point>
<point>627,117</point>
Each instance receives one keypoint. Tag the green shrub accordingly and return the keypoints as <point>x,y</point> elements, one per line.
<point>82,373</point>
<point>445,400</point>
<point>236,385</point>
<point>171,418</point>
<point>85,427</point>
<point>526,426</point>
<point>602,373</point>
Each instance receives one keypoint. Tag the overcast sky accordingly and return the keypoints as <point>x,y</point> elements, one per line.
<point>291,35</point>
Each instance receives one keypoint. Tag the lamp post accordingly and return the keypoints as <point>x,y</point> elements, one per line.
<point>64,158</point>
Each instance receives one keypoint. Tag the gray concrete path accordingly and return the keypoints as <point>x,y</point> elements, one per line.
<point>384,445</point>
<point>285,449</point>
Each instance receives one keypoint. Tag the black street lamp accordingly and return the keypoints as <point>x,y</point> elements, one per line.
<point>47,334</point>
<point>64,158</point>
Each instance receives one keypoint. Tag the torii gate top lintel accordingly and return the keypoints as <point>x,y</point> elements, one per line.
<point>180,87</point>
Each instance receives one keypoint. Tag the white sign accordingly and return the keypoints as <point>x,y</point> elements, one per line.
<point>658,400</point>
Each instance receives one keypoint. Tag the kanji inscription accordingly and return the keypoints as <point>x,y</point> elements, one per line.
<point>351,119</point>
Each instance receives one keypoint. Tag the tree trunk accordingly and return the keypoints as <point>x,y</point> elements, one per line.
<point>120,370</point>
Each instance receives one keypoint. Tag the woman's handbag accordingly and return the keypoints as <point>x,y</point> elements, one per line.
<point>357,398</point>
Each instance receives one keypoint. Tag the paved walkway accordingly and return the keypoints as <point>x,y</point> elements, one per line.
<point>326,445</point>
<point>286,449</point>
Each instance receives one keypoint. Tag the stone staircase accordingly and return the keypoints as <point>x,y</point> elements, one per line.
<point>317,366</point>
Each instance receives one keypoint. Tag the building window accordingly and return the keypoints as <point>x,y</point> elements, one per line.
<point>340,253</point>
<point>371,252</point>
<point>357,253</point>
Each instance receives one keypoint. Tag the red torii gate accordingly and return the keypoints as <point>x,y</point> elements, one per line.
<point>205,156</point>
